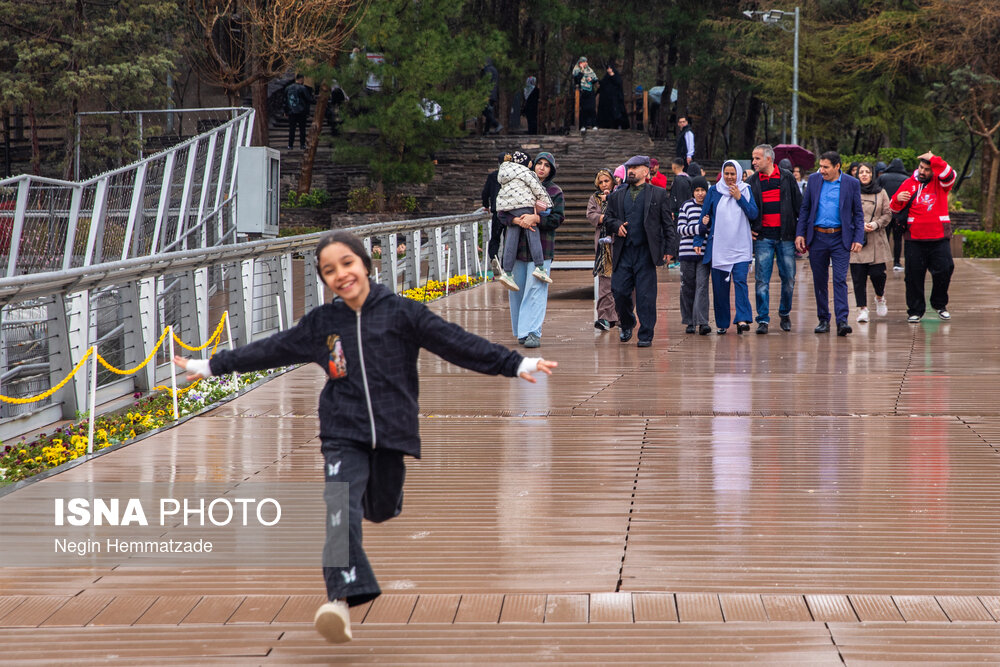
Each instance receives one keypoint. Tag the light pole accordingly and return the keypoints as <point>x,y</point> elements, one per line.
<point>774,17</point>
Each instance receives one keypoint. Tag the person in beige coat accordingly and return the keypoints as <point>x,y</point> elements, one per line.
<point>606,315</point>
<point>871,260</point>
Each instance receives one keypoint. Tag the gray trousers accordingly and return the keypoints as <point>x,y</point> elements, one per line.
<point>513,238</point>
<point>695,277</point>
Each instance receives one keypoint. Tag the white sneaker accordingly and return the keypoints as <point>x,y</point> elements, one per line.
<point>897,267</point>
<point>541,274</point>
<point>863,315</point>
<point>944,314</point>
<point>508,282</point>
<point>913,319</point>
<point>881,309</point>
<point>333,621</point>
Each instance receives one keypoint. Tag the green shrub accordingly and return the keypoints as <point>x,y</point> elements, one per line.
<point>365,200</point>
<point>299,230</point>
<point>403,203</point>
<point>907,155</point>
<point>315,198</point>
<point>981,244</point>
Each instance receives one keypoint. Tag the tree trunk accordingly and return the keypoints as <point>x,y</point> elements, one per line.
<point>315,129</point>
<point>989,214</point>
<point>973,147</point>
<point>312,141</point>
<point>258,93</point>
<point>750,129</point>
<point>628,78</point>
<point>36,151</point>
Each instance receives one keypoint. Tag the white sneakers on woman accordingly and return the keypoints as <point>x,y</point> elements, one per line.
<point>333,621</point>
<point>881,309</point>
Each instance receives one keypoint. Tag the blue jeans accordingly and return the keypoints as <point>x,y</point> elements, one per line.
<point>527,307</point>
<point>720,294</point>
<point>765,251</point>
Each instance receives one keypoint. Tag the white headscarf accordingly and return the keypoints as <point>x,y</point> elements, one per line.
<point>732,242</point>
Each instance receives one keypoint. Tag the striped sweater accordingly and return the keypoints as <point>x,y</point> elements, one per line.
<point>688,219</point>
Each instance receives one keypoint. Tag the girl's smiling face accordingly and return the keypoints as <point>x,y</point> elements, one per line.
<point>344,272</point>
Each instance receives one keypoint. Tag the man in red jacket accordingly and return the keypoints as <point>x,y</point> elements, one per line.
<point>928,234</point>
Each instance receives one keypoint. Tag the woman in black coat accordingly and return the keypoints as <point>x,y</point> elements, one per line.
<point>529,107</point>
<point>611,105</point>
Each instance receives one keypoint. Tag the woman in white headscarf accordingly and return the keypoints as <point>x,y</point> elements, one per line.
<point>727,212</point>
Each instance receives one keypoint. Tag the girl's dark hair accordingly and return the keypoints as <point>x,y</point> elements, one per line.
<point>348,239</point>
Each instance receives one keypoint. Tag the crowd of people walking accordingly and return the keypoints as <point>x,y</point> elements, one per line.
<point>855,221</point>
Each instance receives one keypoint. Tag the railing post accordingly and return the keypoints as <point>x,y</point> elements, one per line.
<point>134,212</point>
<point>140,329</point>
<point>20,210</point>
<point>312,283</point>
<point>68,317</point>
<point>163,206</point>
<point>411,263</point>
<point>95,236</point>
<point>241,300</point>
<point>435,255</point>
<point>285,294</point>
<point>194,306</point>
<point>73,222</point>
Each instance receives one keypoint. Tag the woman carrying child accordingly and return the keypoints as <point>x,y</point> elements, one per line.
<point>367,341</point>
<point>521,193</point>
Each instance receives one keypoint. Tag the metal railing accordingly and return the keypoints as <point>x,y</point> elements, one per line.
<point>49,320</point>
<point>182,197</point>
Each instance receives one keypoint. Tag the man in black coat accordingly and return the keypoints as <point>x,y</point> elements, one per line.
<point>778,200</point>
<point>890,180</point>
<point>638,217</point>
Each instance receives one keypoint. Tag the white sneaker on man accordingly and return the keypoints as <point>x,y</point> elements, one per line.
<point>944,314</point>
<point>913,319</point>
<point>333,621</point>
<point>862,315</point>
<point>881,309</point>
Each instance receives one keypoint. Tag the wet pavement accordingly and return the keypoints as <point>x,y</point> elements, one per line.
<point>790,498</point>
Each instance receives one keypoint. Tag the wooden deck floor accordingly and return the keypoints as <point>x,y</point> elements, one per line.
<point>780,499</point>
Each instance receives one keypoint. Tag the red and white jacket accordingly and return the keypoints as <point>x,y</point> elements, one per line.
<point>928,215</point>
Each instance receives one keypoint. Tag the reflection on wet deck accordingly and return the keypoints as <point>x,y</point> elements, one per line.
<point>826,493</point>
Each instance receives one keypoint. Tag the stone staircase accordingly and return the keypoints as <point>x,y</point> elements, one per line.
<point>462,167</point>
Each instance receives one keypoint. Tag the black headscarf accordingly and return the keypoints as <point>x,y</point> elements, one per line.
<point>873,187</point>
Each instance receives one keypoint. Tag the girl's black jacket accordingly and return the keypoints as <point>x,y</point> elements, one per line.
<point>370,358</point>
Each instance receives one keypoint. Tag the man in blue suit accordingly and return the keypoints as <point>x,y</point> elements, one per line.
<point>832,226</point>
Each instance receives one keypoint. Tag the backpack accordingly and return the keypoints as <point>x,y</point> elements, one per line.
<point>293,100</point>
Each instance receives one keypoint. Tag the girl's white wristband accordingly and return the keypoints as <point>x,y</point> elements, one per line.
<point>528,365</point>
<point>200,367</point>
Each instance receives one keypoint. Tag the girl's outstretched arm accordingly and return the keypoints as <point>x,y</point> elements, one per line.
<point>528,366</point>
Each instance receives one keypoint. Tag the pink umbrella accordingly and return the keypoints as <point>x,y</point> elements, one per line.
<point>798,156</point>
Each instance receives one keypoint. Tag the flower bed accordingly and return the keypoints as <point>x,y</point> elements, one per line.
<point>435,289</point>
<point>147,413</point>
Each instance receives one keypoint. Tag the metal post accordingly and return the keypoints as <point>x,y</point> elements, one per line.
<point>795,83</point>
<point>76,159</point>
<point>173,372</point>
<point>93,399</point>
